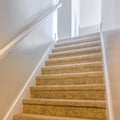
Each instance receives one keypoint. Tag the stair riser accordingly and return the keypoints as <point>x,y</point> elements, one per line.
<point>78,95</point>
<point>73,69</point>
<point>71,80</point>
<point>74,60</point>
<point>41,117</point>
<point>65,111</point>
<point>80,37</point>
<point>75,42</point>
<point>62,49</point>
<point>76,53</point>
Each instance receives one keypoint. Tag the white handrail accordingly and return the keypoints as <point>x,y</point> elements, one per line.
<point>4,51</point>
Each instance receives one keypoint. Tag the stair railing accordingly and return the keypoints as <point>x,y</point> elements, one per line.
<point>8,48</point>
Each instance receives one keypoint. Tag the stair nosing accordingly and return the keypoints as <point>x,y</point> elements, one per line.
<point>74,57</point>
<point>70,74</point>
<point>47,117</point>
<point>80,44</point>
<point>78,37</point>
<point>68,102</point>
<point>71,65</point>
<point>83,39</point>
<point>91,87</point>
<point>78,50</point>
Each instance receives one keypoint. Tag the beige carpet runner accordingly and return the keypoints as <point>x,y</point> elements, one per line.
<point>71,84</point>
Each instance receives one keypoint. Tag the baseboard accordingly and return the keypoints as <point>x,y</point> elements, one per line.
<point>108,89</point>
<point>16,107</point>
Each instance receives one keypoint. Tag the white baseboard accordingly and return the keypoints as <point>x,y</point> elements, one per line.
<point>16,107</point>
<point>107,80</point>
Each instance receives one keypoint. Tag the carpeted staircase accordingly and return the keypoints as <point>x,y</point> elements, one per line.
<point>71,85</point>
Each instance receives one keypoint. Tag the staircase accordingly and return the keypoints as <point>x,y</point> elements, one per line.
<point>71,85</point>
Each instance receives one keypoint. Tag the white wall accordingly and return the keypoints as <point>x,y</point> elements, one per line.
<point>86,16</point>
<point>111,37</point>
<point>77,14</point>
<point>16,67</point>
<point>75,18</point>
<point>64,19</point>
<point>90,12</point>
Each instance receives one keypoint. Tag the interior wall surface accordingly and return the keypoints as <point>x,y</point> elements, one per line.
<point>111,37</point>
<point>64,19</point>
<point>90,13</point>
<point>85,17</point>
<point>18,65</point>
<point>75,18</point>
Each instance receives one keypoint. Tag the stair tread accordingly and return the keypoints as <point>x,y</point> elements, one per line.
<point>78,52</point>
<point>43,117</point>
<point>64,102</point>
<point>80,37</point>
<point>73,57</point>
<point>92,87</point>
<point>73,65</point>
<point>65,43</point>
<point>97,43</point>
<point>89,42</point>
<point>72,51</point>
<point>69,75</point>
<point>96,77</point>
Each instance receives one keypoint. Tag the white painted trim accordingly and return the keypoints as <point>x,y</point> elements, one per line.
<point>4,51</point>
<point>16,107</point>
<point>107,80</point>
